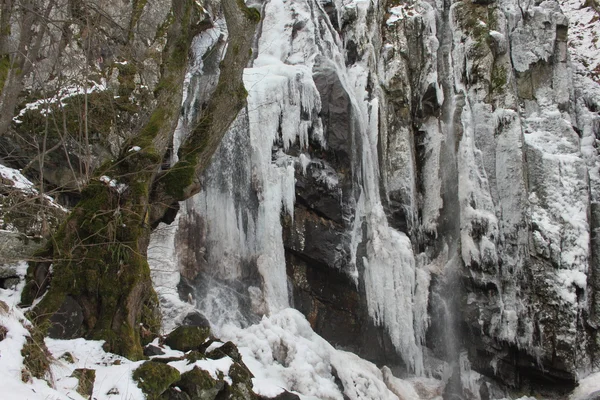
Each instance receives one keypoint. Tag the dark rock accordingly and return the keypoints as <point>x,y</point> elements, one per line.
<point>336,109</point>
<point>186,338</point>
<point>151,350</point>
<point>198,384</point>
<point>10,282</point>
<point>86,378</point>
<point>316,238</point>
<point>7,271</point>
<point>195,318</point>
<point>194,356</point>
<point>166,360</point>
<point>227,350</point>
<point>282,396</point>
<point>3,332</point>
<point>241,387</point>
<point>316,196</point>
<point>174,393</point>
<point>66,322</point>
<point>154,378</point>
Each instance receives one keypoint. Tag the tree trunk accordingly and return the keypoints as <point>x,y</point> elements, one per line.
<point>100,272</point>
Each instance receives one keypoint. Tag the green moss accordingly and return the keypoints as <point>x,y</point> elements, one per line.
<point>4,69</point>
<point>162,30</point>
<point>186,338</point>
<point>250,12</point>
<point>136,13</point>
<point>150,320</point>
<point>198,384</point>
<point>499,78</point>
<point>154,378</point>
<point>241,387</point>
<point>194,356</point>
<point>473,19</point>
<point>178,178</point>
<point>127,73</point>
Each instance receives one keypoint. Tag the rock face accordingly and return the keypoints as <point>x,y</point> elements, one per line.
<point>419,179</point>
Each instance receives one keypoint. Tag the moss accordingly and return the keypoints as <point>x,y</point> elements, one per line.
<point>198,384</point>
<point>473,19</point>
<point>36,357</point>
<point>499,78</point>
<point>150,320</point>
<point>194,356</point>
<point>86,378</point>
<point>250,12</point>
<point>178,178</point>
<point>162,30</point>
<point>241,387</point>
<point>154,378</point>
<point>127,74</point>
<point>4,69</point>
<point>186,338</point>
<point>136,13</point>
<point>227,350</point>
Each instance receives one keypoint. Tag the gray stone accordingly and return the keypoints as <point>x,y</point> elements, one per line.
<point>66,323</point>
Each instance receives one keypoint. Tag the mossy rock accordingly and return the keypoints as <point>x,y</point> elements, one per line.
<point>200,385</point>
<point>174,393</point>
<point>227,350</point>
<point>194,356</point>
<point>241,387</point>
<point>154,378</point>
<point>86,378</point>
<point>186,338</point>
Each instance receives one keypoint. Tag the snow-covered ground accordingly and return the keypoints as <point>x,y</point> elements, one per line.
<point>281,351</point>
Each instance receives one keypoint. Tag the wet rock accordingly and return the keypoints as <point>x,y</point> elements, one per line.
<point>336,110</point>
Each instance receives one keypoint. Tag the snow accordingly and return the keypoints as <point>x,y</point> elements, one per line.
<point>213,367</point>
<point>63,94</point>
<point>113,183</point>
<point>113,373</point>
<point>584,35</point>
<point>283,352</point>
<point>587,388</point>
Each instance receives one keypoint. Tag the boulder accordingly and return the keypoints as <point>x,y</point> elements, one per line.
<point>154,378</point>
<point>186,338</point>
<point>199,384</point>
<point>195,318</point>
